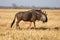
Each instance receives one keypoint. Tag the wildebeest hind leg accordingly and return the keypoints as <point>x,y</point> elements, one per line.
<point>34,24</point>
<point>17,24</point>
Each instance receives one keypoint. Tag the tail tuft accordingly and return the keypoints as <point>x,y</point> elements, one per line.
<point>13,22</point>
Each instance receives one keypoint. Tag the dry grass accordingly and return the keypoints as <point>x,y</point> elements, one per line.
<point>6,33</point>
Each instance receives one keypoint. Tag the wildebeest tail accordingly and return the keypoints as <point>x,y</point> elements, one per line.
<point>13,21</point>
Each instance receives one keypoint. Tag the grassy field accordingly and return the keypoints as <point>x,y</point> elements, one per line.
<point>7,33</point>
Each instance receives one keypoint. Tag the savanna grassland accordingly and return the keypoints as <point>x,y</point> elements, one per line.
<point>7,33</point>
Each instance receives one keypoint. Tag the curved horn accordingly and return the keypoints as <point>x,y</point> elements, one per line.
<point>45,12</point>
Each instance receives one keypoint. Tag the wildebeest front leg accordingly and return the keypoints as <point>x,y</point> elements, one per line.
<point>17,24</point>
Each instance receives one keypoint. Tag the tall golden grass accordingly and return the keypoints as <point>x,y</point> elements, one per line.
<point>7,33</point>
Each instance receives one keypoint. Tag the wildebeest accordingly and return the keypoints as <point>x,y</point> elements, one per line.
<point>30,16</point>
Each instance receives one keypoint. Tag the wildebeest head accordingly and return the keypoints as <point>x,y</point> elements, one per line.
<point>42,15</point>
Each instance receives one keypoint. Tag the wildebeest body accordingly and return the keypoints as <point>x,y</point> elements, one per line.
<point>30,16</point>
<point>26,16</point>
